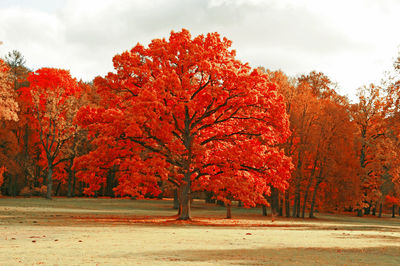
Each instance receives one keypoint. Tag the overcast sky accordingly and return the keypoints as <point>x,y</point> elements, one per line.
<point>351,41</point>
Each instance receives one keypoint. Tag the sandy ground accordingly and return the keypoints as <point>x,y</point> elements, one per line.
<point>62,235</point>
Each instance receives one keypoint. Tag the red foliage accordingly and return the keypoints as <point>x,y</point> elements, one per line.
<point>185,110</point>
<point>392,200</point>
<point>52,96</point>
<point>2,170</point>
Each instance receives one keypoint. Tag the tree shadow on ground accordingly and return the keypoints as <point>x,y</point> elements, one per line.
<point>388,255</point>
<point>98,219</point>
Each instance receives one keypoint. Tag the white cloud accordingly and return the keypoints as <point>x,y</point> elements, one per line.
<point>352,42</point>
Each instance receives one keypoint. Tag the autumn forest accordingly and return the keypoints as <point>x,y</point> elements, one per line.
<point>183,118</point>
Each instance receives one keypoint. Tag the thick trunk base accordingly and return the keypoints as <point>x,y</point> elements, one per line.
<point>49,190</point>
<point>184,203</point>
<point>228,211</point>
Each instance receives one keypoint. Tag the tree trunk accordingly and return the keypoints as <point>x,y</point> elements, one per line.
<point>298,206</point>
<point>185,187</point>
<point>69,192</point>
<point>306,198</point>
<point>15,185</point>
<point>374,211</point>
<point>287,203</point>
<point>360,212</point>
<point>264,210</point>
<point>296,201</point>
<point>294,205</point>
<point>228,211</point>
<point>110,181</point>
<point>73,185</point>
<point>80,189</point>
<point>380,210</point>
<point>311,214</point>
<point>393,211</point>
<point>281,207</point>
<point>9,183</point>
<point>274,200</point>
<point>184,199</point>
<point>303,211</point>
<point>58,188</point>
<point>49,182</point>
<point>367,210</point>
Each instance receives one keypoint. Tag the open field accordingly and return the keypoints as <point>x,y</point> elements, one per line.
<point>35,231</point>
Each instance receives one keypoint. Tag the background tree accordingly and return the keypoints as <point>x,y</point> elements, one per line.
<point>304,109</point>
<point>331,159</point>
<point>369,116</point>
<point>321,144</point>
<point>8,104</point>
<point>24,134</point>
<point>52,94</point>
<point>8,112</point>
<point>79,143</point>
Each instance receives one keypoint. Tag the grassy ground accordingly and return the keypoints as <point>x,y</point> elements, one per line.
<point>35,231</point>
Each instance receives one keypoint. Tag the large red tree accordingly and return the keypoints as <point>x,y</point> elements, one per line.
<point>185,110</point>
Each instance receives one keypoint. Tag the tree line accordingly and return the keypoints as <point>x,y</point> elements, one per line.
<point>184,117</point>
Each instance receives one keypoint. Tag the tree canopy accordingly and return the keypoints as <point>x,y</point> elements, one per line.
<point>185,110</point>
